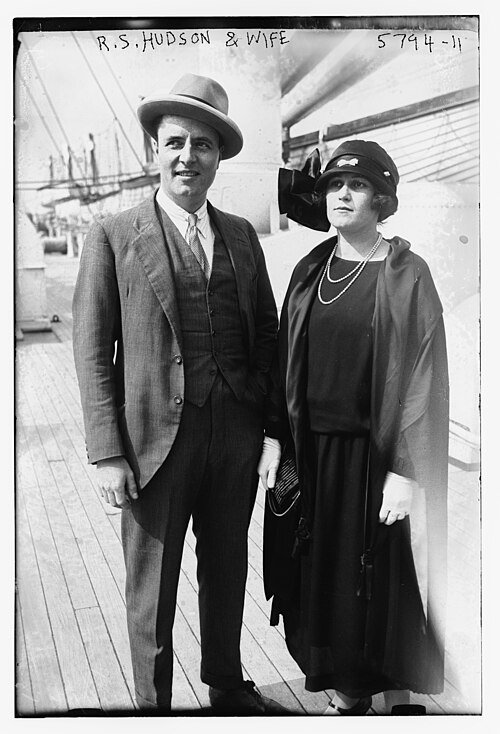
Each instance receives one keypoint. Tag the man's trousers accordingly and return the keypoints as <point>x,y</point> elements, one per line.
<point>210,475</point>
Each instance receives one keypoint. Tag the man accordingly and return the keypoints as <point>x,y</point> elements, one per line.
<point>174,327</point>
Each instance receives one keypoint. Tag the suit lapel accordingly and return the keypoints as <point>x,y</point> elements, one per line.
<point>152,252</point>
<point>239,251</point>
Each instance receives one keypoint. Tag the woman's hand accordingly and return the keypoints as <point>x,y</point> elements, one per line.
<point>269,462</point>
<point>397,496</point>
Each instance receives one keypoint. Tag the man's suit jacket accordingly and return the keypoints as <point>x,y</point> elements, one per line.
<point>127,337</point>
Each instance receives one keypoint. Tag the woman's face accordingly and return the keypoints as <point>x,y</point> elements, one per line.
<point>349,199</point>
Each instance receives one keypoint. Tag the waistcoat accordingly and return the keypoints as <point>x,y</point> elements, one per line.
<point>209,313</point>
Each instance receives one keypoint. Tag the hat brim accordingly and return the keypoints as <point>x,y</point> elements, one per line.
<point>380,184</point>
<point>154,107</point>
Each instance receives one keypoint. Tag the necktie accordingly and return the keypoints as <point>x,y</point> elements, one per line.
<point>194,243</point>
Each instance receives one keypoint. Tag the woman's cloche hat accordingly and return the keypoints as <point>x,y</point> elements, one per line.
<point>366,158</point>
<point>198,98</point>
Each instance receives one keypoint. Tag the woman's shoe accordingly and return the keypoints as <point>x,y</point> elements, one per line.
<point>359,709</point>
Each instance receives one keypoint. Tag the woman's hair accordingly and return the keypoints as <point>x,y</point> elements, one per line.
<point>385,205</point>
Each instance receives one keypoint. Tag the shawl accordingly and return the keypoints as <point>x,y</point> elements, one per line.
<point>408,435</point>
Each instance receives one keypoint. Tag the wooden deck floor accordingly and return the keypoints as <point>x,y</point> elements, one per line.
<point>71,638</point>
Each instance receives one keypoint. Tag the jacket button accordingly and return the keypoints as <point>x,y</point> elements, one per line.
<point>178,359</point>
<point>178,400</point>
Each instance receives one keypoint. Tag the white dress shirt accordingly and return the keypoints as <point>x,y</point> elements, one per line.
<point>179,217</point>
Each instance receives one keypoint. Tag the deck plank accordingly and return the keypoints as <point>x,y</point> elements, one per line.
<point>44,428</point>
<point>109,597</point>
<point>72,564</point>
<point>43,664</point>
<point>39,460</point>
<point>108,590</point>
<point>183,695</point>
<point>62,369</point>
<point>112,689</point>
<point>79,586</point>
<point>78,683</point>
<point>111,603</point>
<point>25,469</point>
<point>70,418</point>
<point>76,481</point>
<point>64,381</point>
<point>25,701</point>
<point>88,513</point>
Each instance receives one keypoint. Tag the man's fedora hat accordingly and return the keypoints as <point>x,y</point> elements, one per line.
<point>198,98</point>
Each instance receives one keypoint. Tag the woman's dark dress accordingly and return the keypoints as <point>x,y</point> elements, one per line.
<point>383,637</point>
<point>325,629</point>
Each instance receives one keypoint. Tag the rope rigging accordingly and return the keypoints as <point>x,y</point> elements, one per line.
<point>115,117</point>
<point>61,126</point>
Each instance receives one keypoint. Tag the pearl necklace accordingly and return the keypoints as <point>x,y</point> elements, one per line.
<point>355,272</point>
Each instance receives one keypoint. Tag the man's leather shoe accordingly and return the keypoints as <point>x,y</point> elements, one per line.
<point>245,700</point>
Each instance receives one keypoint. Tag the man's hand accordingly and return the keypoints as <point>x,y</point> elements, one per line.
<point>116,482</point>
<point>396,501</point>
<point>269,462</point>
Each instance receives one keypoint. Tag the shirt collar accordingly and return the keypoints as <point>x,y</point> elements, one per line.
<point>180,216</point>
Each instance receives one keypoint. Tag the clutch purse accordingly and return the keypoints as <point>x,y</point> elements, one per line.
<point>286,491</point>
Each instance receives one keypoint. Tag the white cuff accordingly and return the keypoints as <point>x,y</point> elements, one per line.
<point>271,443</point>
<point>400,479</point>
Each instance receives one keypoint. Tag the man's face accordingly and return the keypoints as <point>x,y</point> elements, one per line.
<point>188,157</point>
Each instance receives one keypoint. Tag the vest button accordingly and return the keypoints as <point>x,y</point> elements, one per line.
<point>213,332</point>
<point>178,400</point>
<point>178,359</point>
<point>212,371</point>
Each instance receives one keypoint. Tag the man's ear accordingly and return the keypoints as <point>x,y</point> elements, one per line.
<point>221,149</point>
<point>154,145</point>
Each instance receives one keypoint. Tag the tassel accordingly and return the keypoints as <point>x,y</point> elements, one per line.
<point>302,535</point>
<point>366,575</point>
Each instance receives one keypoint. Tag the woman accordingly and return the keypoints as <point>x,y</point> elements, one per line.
<point>362,395</point>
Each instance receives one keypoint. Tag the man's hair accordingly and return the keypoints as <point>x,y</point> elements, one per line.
<point>156,124</point>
